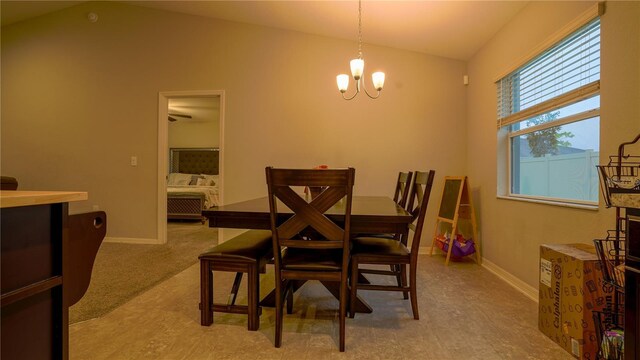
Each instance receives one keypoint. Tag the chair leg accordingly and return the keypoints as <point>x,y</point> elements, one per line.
<point>403,277</point>
<point>206,294</point>
<point>413,291</point>
<point>279,314</point>
<point>396,269</point>
<point>354,287</point>
<point>290,298</point>
<point>253,292</point>
<point>343,308</point>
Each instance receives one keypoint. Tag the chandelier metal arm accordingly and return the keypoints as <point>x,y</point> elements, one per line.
<point>351,97</point>
<point>369,95</point>
<point>354,94</point>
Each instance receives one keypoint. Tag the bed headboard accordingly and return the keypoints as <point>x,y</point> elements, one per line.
<point>194,161</point>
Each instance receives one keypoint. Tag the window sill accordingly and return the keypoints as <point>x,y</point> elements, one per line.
<point>550,202</point>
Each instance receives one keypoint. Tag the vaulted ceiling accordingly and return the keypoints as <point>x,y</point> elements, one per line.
<point>452,29</point>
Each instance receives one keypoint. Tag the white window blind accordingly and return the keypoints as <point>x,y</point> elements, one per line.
<point>566,73</point>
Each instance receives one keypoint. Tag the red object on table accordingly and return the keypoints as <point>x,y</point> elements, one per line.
<point>315,191</point>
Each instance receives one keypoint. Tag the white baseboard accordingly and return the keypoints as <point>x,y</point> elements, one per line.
<point>226,234</point>
<point>121,240</point>
<point>528,290</point>
<point>424,250</point>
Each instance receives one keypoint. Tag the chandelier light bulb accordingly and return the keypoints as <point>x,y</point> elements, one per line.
<point>378,80</point>
<point>343,82</point>
<point>357,68</point>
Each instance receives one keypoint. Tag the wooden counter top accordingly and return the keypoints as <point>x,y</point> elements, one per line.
<point>27,198</point>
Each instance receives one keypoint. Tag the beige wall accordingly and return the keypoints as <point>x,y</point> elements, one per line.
<point>187,133</point>
<point>512,231</point>
<point>80,98</point>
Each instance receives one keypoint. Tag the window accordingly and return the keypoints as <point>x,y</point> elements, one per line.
<point>550,108</point>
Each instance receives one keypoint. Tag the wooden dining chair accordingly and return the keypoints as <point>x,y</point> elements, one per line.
<point>403,184</point>
<point>400,196</point>
<point>397,254</point>
<point>309,245</point>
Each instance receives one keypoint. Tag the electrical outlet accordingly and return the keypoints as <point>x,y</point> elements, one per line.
<point>134,161</point>
<point>96,207</point>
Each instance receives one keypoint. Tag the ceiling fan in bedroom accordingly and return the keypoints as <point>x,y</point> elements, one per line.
<point>174,117</point>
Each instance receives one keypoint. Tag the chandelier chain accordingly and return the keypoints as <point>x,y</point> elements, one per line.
<point>359,29</point>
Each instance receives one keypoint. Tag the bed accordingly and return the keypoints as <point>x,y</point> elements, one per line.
<point>192,184</point>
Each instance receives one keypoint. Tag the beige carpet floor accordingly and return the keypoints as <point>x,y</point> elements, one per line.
<point>466,313</point>
<point>123,271</point>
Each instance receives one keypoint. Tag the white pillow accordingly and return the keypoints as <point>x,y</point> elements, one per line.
<point>202,182</point>
<point>176,179</point>
<point>194,179</point>
<point>211,180</point>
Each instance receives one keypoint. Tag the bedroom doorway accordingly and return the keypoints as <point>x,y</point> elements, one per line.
<point>187,120</point>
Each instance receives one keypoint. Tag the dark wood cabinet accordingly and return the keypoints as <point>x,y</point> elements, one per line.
<point>32,315</point>
<point>45,265</point>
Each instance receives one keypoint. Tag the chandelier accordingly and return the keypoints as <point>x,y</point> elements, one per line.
<point>357,69</point>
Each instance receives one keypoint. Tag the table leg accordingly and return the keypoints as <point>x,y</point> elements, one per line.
<point>270,299</point>
<point>334,288</point>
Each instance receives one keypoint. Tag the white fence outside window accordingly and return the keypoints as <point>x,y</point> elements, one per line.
<point>571,176</point>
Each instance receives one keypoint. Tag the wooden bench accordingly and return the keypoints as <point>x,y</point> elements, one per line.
<point>246,253</point>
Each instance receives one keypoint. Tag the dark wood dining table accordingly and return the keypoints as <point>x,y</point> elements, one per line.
<point>369,214</point>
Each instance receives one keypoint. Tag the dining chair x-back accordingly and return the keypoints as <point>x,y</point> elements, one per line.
<point>309,245</point>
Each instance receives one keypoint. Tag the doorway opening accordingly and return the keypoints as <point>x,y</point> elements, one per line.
<point>185,121</point>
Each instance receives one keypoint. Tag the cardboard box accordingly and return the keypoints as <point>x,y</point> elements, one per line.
<point>570,289</point>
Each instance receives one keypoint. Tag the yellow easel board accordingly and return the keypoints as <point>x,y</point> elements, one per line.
<point>456,206</point>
